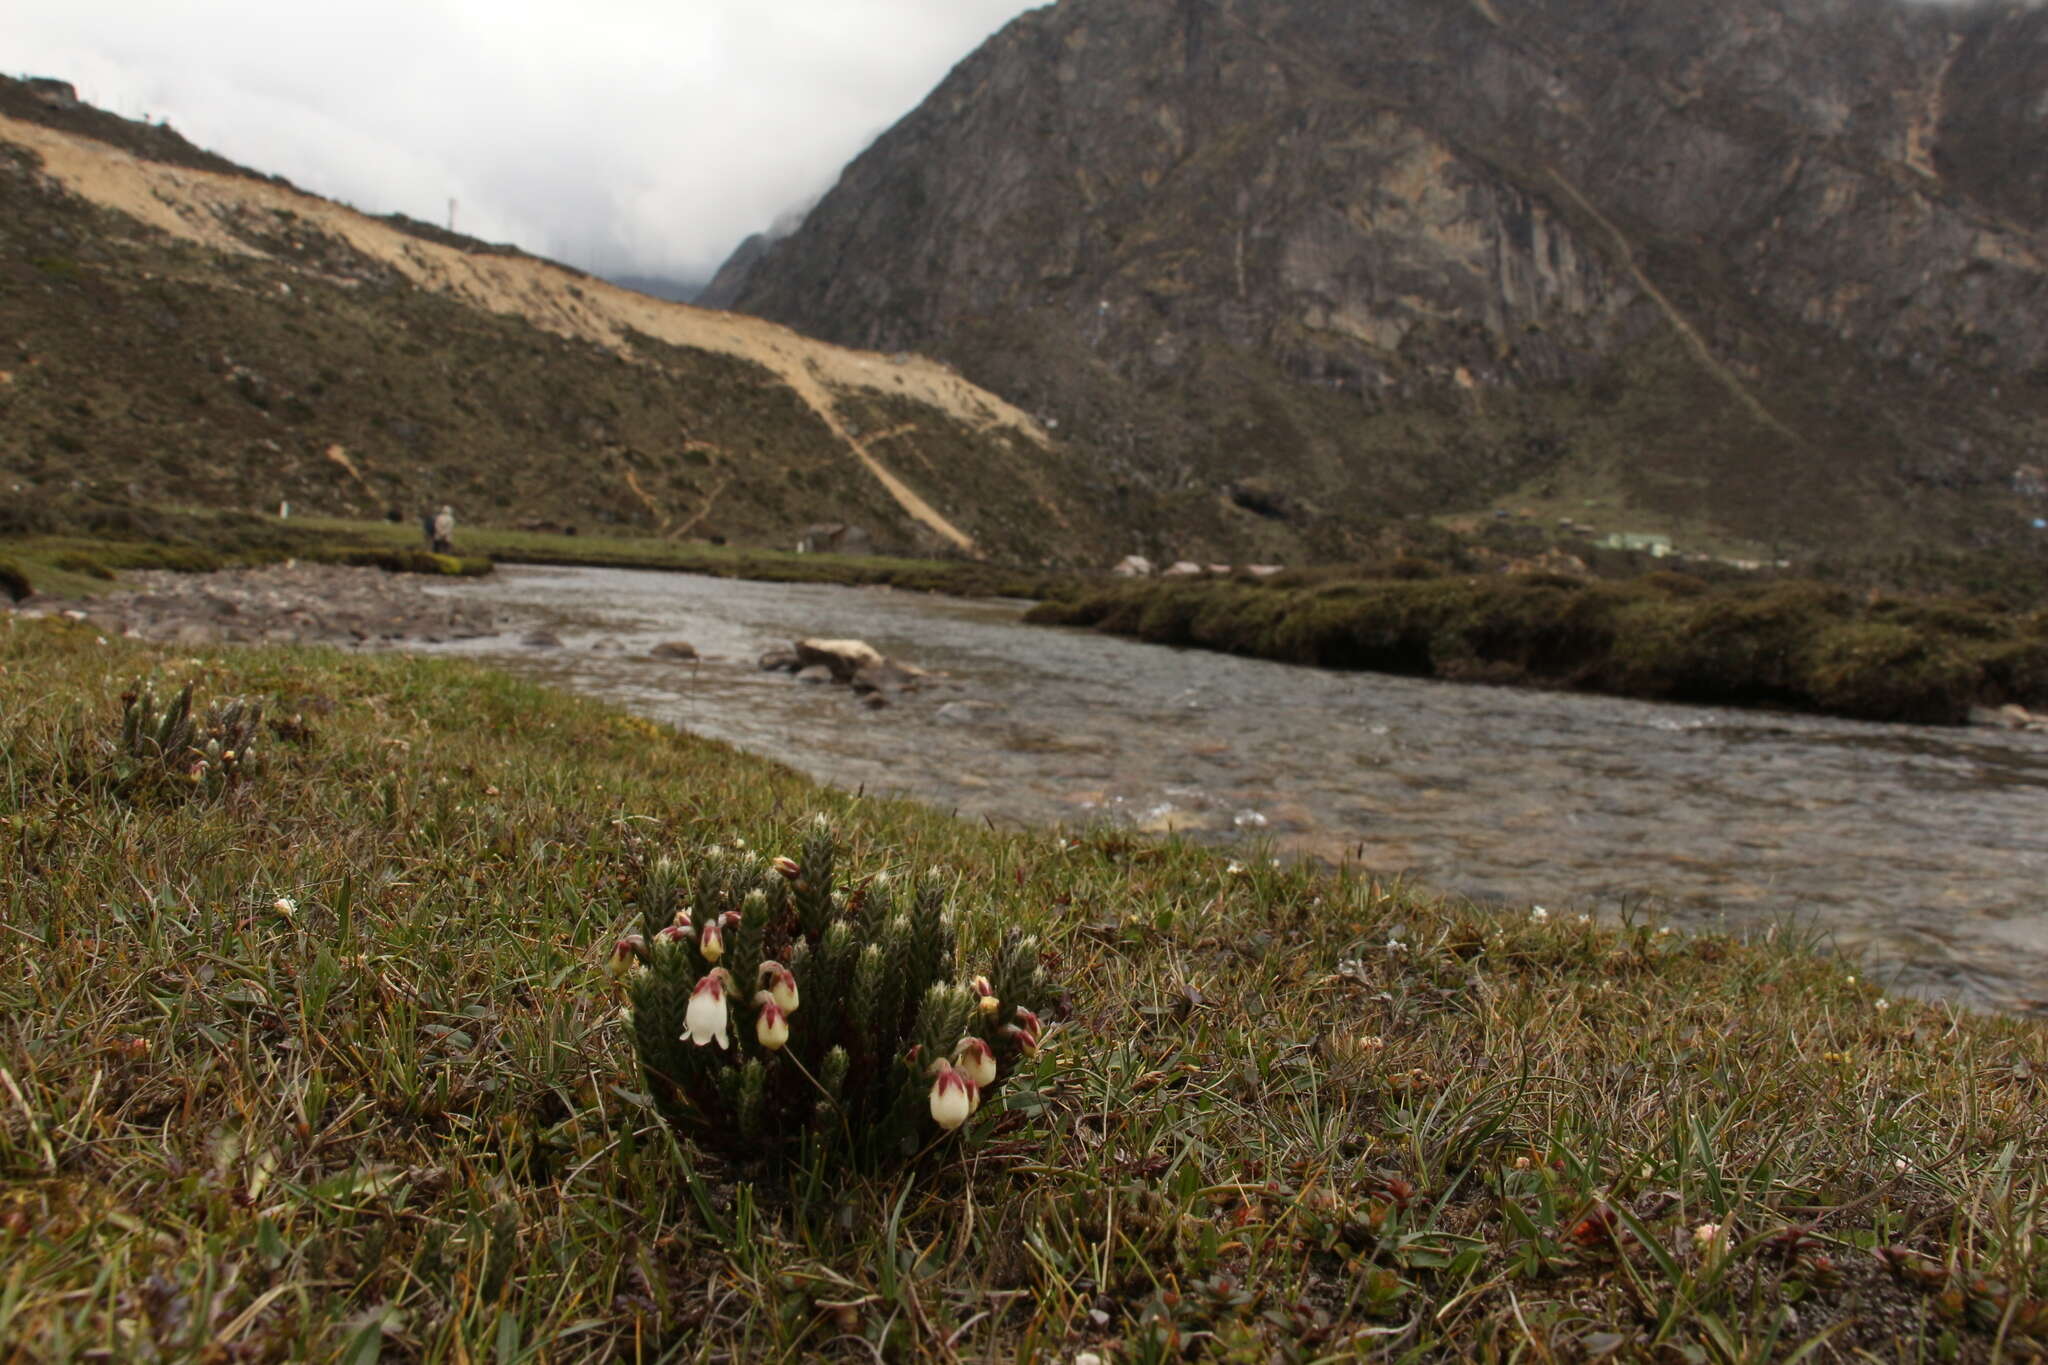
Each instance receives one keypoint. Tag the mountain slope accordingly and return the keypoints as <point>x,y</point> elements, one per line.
<point>185,330</point>
<point>1771,268</point>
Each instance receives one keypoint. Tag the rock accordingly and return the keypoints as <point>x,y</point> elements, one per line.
<point>814,673</point>
<point>1133,566</point>
<point>836,538</point>
<point>784,659</point>
<point>1182,568</point>
<point>888,675</point>
<point>1263,570</point>
<point>673,649</point>
<point>844,657</point>
<point>541,639</point>
<point>874,701</point>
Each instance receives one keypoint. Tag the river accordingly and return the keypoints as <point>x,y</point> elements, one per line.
<point>1922,850</point>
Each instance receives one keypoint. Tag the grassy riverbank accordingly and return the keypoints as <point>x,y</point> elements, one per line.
<point>323,1062</point>
<point>1799,644</point>
<point>73,549</point>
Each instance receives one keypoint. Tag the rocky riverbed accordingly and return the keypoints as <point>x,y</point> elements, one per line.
<point>289,603</point>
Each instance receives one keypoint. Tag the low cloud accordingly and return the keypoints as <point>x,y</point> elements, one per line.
<point>633,136</point>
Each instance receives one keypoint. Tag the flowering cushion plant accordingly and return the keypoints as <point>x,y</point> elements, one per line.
<point>774,1012</point>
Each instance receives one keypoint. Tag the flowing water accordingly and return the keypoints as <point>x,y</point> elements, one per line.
<point>1924,850</point>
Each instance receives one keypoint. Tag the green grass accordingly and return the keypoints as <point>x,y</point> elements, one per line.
<point>1288,1115</point>
<point>964,578</point>
<point>1791,643</point>
<point>75,551</point>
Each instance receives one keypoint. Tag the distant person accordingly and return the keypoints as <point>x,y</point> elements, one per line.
<point>444,530</point>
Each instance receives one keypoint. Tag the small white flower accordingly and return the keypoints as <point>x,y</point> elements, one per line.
<point>1901,1165</point>
<point>1394,945</point>
<point>1236,869</point>
<point>285,905</point>
<point>1706,1236</point>
<point>771,1025</point>
<point>1582,919</point>
<point>1539,915</point>
<point>1883,1004</point>
<point>1851,978</point>
<point>953,1096</point>
<point>705,1019</point>
<point>781,984</point>
<point>975,1061</point>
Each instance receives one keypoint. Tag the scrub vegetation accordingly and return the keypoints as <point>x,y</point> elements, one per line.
<point>1792,643</point>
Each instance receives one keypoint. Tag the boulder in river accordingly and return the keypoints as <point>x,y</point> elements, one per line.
<point>541,639</point>
<point>673,649</point>
<point>844,657</point>
<point>887,676</point>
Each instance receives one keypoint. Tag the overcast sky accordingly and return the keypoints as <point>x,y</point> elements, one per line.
<point>624,136</point>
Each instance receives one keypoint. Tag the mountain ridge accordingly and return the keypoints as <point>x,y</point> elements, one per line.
<point>1759,269</point>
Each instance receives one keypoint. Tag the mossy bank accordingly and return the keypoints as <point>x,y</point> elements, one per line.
<point>1804,645</point>
<point>321,1062</point>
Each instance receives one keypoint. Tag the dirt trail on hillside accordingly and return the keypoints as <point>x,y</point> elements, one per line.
<point>195,205</point>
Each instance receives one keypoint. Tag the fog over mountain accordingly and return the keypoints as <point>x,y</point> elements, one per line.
<point>628,137</point>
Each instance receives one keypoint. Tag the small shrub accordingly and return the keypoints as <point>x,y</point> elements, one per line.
<point>777,1018</point>
<point>165,750</point>
<point>1413,569</point>
<point>1672,583</point>
<point>1880,671</point>
<point>13,581</point>
<point>78,562</point>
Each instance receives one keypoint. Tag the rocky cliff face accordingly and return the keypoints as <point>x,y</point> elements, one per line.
<point>1770,267</point>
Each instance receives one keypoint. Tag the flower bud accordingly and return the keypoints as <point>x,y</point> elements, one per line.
<point>672,934</point>
<point>712,942</point>
<point>626,954</point>
<point>781,983</point>
<point>975,1061</point>
<point>1027,1022</point>
<point>771,1025</point>
<point>788,868</point>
